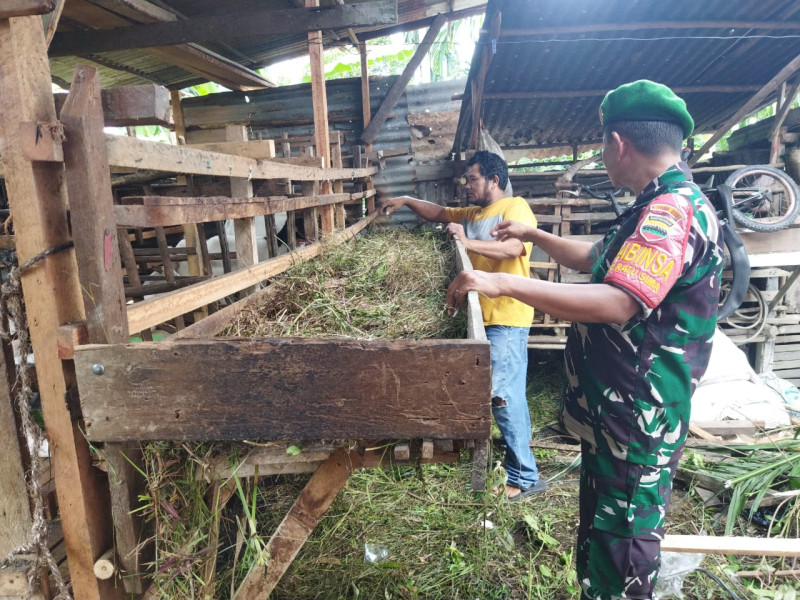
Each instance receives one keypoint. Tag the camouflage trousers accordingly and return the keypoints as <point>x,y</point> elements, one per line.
<point>622,511</point>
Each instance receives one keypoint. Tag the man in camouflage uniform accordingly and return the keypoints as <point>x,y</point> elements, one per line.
<point>640,340</point>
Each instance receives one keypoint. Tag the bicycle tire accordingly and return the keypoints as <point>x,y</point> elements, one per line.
<point>782,206</point>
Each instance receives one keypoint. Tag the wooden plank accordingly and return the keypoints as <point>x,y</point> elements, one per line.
<point>37,198</point>
<point>285,389</point>
<point>164,211</point>
<point>257,149</point>
<point>399,86</point>
<point>132,105</point>
<point>100,274</point>
<point>709,544</point>
<point>231,26</point>
<point>319,100</point>
<point>168,306</point>
<point>142,154</point>
<point>729,427</point>
<point>366,114</point>
<point>297,525</point>
<point>25,8</point>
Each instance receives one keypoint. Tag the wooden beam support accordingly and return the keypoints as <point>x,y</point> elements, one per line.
<point>783,107</point>
<point>391,98</point>
<point>297,525</point>
<point>153,211</point>
<point>280,389</point>
<point>749,106</point>
<point>244,228</point>
<point>366,114</point>
<point>154,311</point>
<point>255,149</point>
<point>319,100</point>
<point>133,105</point>
<point>38,201</point>
<point>142,154</point>
<point>100,271</point>
<point>26,8</point>
<point>232,26</point>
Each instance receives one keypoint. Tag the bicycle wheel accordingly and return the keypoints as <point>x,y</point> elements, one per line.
<point>764,198</point>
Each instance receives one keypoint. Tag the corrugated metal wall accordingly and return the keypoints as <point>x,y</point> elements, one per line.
<point>423,122</point>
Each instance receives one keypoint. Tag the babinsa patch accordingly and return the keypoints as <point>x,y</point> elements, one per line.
<point>662,218</point>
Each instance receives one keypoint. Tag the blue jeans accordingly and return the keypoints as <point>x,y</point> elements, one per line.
<point>509,351</point>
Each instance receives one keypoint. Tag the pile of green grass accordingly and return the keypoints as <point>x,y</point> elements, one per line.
<point>386,285</point>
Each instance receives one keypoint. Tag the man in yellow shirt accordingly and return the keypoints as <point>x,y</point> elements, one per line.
<point>507,320</point>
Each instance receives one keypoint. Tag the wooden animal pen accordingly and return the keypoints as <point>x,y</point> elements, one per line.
<point>74,242</point>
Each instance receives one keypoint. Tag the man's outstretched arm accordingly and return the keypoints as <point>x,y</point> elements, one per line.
<point>570,253</point>
<point>427,210</point>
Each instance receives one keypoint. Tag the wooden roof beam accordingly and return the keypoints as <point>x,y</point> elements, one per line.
<point>692,89</point>
<point>614,27</point>
<point>750,106</point>
<point>371,131</point>
<point>191,57</point>
<point>260,23</point>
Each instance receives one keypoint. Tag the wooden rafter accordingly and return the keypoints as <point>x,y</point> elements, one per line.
<point>749,106</point>
<point>25,8</point>
<point>232,26</point>
<point>648,25</point>
<point>399,86</point>
<point>193,58</point>
<point>690,89</point>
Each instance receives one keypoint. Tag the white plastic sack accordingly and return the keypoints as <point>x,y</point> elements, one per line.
<point>731,389</point>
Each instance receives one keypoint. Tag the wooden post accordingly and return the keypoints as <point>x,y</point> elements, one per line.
<point>244,229</point>
<point>478,85</point>
<point>189,229</point>
<point>366,110</point>
<point>336,162</point>
<point>320,101</point>
<point>38,201</point>
<point>100,273</point>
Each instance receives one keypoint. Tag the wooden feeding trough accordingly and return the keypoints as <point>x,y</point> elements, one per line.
<point>194,386</point>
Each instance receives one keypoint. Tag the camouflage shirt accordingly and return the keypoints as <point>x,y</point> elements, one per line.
<point>629,386</point>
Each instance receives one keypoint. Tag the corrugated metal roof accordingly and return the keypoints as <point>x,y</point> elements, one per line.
<point>564,73</point>
<point>132,67</point>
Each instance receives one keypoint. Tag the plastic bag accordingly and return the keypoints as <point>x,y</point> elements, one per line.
<point>675,566</point>
<point>486,142</point>
<point>375,553</point>
<point>786,389</point>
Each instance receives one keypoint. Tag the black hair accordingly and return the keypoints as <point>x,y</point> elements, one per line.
<point>649,137</point>
<point>489,164</point>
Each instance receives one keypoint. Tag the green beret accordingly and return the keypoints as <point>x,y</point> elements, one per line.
<point>645,100</point>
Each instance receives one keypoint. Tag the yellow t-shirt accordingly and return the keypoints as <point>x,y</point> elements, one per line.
<point>478,222</point>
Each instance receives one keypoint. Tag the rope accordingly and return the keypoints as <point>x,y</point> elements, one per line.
<point>12,306</point>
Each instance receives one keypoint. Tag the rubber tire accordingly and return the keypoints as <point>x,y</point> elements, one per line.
<point>793,196</point>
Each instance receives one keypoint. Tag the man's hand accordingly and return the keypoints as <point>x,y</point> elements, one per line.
<point>513,230</point>
<point>392,204</point>
<point>488,284</point>
<point>456,230</point>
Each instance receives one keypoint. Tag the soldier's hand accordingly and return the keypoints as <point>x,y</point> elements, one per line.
<point>484,283</point>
